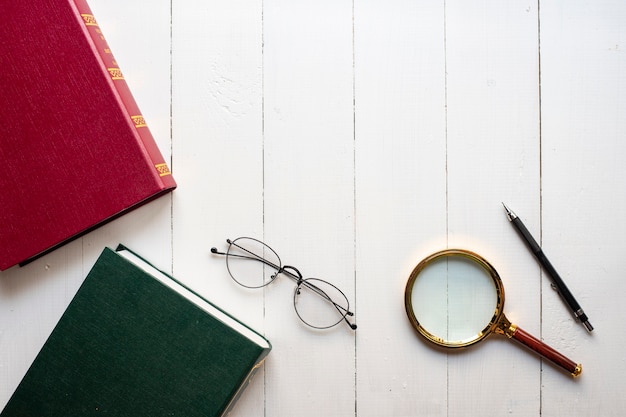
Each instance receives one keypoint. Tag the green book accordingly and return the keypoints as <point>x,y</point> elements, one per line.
<point>136,342</point>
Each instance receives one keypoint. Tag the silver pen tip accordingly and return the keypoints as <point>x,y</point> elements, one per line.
<point>509,212</point>
<point>588,326</point>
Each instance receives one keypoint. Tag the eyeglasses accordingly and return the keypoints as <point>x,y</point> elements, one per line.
<point>318,303</point>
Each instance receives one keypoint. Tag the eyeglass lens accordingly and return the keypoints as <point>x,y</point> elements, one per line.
<point>251,263</point>
<point>319,303</point>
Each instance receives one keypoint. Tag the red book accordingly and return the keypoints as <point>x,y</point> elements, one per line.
<point>74,147</point>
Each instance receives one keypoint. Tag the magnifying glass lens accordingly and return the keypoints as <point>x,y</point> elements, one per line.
<point>454,299</point>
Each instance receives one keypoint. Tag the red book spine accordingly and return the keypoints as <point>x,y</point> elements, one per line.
<point>125,97</point>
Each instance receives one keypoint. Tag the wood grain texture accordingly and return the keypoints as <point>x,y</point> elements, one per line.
<point>356,138</point>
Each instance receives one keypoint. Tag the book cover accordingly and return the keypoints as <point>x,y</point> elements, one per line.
<point>136,342</point>
<point>75,150</point>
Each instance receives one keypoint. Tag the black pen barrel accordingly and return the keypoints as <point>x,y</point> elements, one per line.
<point>559,284</point>
<point>561,288</point>
<point>526,236</point>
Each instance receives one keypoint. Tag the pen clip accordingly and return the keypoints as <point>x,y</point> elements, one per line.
<point>555,288</point>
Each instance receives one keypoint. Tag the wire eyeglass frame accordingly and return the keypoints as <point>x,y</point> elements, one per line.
<point>314,285</point>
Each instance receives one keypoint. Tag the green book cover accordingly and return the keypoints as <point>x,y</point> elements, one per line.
<point>135,342</point>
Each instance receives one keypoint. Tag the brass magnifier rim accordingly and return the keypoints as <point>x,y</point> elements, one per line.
<point>499,308</point>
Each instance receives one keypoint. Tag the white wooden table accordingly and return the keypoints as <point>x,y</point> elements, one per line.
<point>356,137</point>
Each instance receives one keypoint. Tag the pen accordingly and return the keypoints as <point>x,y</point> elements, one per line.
<point>558,283</point>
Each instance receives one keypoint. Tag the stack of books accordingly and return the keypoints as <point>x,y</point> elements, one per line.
<point>77,153</point>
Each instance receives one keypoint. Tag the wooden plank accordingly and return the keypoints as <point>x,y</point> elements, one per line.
<point>583,154</point>
<point>218,154</point>
<point>400,199</point>
<point>309,197</point>
<point>493,156</point>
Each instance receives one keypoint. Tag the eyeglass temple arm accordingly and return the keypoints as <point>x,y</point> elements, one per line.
<point>253,258</point>
<point>216,252</point>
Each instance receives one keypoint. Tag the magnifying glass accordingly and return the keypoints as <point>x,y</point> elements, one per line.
<point>455,298</point>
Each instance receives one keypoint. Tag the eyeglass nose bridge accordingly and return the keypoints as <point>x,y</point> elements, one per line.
<point>295,275</point>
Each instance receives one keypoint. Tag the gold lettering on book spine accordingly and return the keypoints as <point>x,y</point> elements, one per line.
<point>163,170</point>
<point>139,121</point>
<point>89,20</point>
<point>116,73</point>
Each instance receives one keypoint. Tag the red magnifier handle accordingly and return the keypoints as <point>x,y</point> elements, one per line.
<point>546,351</point>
